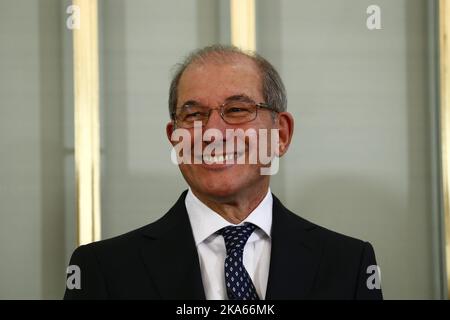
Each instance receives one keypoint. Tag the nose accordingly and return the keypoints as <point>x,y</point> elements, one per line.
<point>215,121</point>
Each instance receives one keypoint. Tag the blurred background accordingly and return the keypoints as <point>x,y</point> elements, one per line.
<point>365,159</point>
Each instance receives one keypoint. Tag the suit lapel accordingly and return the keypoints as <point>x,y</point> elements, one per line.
<point>171,257</point>
<point>295,256</point>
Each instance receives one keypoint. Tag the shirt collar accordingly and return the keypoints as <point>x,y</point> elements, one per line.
<point>205,221</point>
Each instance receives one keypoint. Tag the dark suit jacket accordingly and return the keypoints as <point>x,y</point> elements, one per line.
<point>160,261</point>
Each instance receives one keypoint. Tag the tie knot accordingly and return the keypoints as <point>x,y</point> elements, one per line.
<point>236,236</point>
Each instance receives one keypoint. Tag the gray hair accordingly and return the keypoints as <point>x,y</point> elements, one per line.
<point>273,89</point>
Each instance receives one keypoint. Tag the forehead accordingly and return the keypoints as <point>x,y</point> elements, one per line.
<point>211,82</point>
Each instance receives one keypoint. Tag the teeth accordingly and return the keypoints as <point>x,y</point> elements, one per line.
<point>219,159</point>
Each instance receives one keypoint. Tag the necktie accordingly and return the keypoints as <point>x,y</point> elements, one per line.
<point>237,280</point>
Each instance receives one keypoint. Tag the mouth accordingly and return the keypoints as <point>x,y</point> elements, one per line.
<point>225,159</point>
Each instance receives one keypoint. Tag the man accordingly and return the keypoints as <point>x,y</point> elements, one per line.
<point>227,237</point>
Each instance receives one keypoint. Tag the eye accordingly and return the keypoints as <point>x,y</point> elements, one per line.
<point>193,114</point>
<point>236,109</point>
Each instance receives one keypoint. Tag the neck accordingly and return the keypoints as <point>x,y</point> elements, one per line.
<point>237,207</point>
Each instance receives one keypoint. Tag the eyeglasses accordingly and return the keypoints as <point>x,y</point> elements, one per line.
<point>232,112</point>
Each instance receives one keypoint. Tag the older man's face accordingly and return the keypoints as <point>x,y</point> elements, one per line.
<point>211,84</point>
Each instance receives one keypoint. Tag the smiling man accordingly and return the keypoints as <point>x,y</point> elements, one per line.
<point>227,236</point>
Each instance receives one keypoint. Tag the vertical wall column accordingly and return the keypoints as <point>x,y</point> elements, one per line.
<point>87,133</point>
<point>444,54</point>
<point>243,24</point>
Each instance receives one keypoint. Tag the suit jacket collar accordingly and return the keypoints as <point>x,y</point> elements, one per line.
<point>170,249</point>
<point>295,255</point>
<point>170,255</point>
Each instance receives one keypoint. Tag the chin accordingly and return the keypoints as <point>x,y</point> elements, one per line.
<point>221,184</point>
<point>219,190</point>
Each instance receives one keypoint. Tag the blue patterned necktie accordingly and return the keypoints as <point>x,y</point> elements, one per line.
<point>237,280</point>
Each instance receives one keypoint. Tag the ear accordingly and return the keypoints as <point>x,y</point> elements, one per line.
<point>286,130</point>
<point>170,127</point>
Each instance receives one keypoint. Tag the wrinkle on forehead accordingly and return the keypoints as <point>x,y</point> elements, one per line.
<point>233,60</point>
<point>222,64</point>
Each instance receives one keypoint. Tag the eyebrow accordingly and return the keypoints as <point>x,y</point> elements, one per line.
<point>239,97</point>
<point>236,97</point>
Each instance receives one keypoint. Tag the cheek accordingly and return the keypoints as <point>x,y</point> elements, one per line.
<point>262,146</point>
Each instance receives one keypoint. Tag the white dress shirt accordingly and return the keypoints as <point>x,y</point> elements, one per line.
<point>211,246</point>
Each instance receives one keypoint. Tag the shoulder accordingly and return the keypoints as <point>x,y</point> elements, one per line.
<point>125,244</point>
<point>316,235</point>
<point>336,240</point>
<point>128,243</point>
<point>339,264</point>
